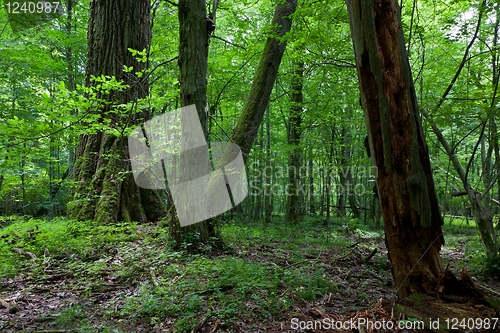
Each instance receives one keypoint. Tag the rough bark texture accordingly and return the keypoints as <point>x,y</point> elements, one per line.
<point>293,211</point>
<point>255,106</point>
<point>104,187</point>
<point>193,63</point>
<point>397,144</point>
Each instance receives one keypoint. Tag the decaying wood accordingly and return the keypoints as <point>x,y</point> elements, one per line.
<point>11,307</point>
<point>23,253</point>
<point>397,144</point>
<point>371,255</point>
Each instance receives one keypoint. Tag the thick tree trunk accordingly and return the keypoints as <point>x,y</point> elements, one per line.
<point>255,106</point>
<point>397,144</point>
<point>293,212</point>
<point>104,186</point>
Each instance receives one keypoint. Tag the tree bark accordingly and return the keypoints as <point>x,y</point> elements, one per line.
<point>310,190</point>
<point>268,195</point>
<point>249,122</point>
<point>105,190</point>
<point>397,145</point>
<point>193,64</point>
<point>328,177</point>
<point>293,212</point>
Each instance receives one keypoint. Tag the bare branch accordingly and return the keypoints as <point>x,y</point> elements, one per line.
<point>228,42</point>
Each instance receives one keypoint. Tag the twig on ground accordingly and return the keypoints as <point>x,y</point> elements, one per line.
<point>202,322</point>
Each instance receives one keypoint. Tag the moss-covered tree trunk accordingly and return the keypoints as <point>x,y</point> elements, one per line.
<point>249,122</point>
<point>193,63</point>
<point>104,189</point>
<point>397,144</point>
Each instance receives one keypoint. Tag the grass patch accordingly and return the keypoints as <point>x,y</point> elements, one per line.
<point>57,239</point>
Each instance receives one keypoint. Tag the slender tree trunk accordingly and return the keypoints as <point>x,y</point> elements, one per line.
<point>105,190</point>
<point>397,144</point>
<point>71,81</point>
<point>347,170</point>
<point>255,106</point>
<point>482,215</point>
<point>193,64</point>
<point>293,212</point>
<point>328,177</point>
<point>268,207</point>
<point>262,184</point>
<point>312,207</point>
<point>479,210</point>
<point>323,190</point>
<point>23,182</point>
<point>493,127</point>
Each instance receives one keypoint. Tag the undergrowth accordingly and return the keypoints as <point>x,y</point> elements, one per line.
<point>264,273</point>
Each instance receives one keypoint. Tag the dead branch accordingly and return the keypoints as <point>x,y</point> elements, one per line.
<point>200,324</point>
<point>23,253</point>
<point>371,255</point>
<point>462,193</point>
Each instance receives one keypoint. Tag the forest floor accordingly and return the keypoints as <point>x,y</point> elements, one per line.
<point>67,276</point>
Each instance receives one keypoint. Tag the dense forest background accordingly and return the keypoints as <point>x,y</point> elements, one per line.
<point>320,150</point>
<point>310,162</point>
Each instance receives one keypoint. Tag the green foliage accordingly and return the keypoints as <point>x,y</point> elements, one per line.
<point>56,239</point>
<point>235,288</point>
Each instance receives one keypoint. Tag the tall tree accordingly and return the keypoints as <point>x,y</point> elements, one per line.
<point>105,189</point>
<point>397,144</point>
<point>293,212</point>
<point>478,201</point>
<point>255,106</point>
<point>256,103</point>
<point>193,62</point>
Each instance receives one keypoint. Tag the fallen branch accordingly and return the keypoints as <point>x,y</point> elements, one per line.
<point>371,255</point>
<point>23,253</point>
<point>202,322</point>
<point>462,193</point>
<point>323,260</point>
<point>217,322</point>
<point>487,289</point>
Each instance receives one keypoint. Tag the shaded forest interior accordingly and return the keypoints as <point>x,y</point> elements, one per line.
<point>370,190</point>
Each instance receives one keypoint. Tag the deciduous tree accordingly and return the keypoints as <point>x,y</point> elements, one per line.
<point>405,183</point>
